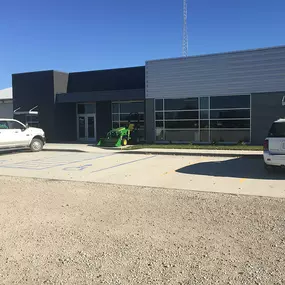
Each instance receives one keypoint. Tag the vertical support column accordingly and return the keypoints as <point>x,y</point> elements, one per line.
<point>149,121</point>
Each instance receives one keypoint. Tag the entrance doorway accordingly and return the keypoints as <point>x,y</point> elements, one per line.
<point>86,127</point>
<point>86,122</point>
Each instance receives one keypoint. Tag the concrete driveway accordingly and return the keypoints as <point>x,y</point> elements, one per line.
<point>236,175</point>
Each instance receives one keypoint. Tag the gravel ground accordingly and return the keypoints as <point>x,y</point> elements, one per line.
<point>55,232</point>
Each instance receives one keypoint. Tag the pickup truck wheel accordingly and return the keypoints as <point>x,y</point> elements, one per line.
<point>36,145</point>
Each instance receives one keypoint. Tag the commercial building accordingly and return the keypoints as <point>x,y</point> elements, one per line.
<point>6,103</point>
<point>229,97</point>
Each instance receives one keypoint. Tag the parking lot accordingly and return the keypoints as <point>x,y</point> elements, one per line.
<point>236,175</point>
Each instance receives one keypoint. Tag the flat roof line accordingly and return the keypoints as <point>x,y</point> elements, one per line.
<point>219,53</point>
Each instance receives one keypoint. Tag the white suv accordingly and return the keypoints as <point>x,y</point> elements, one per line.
<point>14,134</point>
<point>274,146</point>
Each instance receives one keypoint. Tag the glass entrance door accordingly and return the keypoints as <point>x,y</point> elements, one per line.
<point>86,127</point>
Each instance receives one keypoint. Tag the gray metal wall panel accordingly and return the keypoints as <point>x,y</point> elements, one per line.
<point>6,110</point>
<point>234,73</point>
<point>265,109</point>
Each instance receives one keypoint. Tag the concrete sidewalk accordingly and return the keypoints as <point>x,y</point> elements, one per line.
<point>155,151</point>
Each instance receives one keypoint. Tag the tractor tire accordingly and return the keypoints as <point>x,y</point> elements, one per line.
<point>124,142</point>
<point>36,145</point>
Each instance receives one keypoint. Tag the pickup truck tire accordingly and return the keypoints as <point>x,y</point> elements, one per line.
<point>36,145</point>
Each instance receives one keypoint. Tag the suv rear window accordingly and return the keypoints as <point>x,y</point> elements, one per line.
<point>277,130</point>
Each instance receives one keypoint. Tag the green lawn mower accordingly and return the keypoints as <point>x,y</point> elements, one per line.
<point>123,135</point>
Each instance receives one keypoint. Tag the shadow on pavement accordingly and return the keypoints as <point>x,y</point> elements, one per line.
<point>241,167</point>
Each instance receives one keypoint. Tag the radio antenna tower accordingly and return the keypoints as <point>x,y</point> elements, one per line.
<point>185,29</point>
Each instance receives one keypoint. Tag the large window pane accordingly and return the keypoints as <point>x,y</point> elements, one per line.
<point>86,108</point>
<point>132,107</point>
<point>224,102</point>
<point>159,124</point>
<point>181,115</point>
<point>181,104</point>
<point>181,124</point>
<point>115,108</point>
<point>204,103</point>
<point>184,135</point>
<point>230,136</point>
<point>116,125</point>
<point>159,134</point>
<point>80,109</point>
<point>90,108</point>
<point>204,114</point>
<point>231,124</point>
<point>133,117</point>
<point>228,114</point>
<point>116,117</point>
<point>159,104</point>
<point>204,124</point>
<point>159,115</point>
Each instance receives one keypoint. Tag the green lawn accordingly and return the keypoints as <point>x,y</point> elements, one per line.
<point>191,146</point>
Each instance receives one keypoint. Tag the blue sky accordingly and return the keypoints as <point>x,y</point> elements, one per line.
<point>99,34</point>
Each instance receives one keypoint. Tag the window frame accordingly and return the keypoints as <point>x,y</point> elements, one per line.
<point>162,118</point>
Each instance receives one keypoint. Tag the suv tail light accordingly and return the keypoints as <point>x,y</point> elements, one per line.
<point>266,145</point>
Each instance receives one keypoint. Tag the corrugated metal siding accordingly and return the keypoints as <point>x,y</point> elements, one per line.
<point>233,73</point>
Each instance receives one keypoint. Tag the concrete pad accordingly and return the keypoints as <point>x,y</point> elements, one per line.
<point>236,175</point>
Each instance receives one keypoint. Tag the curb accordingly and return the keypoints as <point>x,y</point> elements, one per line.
<point>172,153</point>
<point>258,156</point>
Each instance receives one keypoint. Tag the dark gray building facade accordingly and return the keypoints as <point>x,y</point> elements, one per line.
<point>224,98</point>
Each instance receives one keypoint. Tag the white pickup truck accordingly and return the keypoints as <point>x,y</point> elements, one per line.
<point>14,134</point>
<point>274,146</point>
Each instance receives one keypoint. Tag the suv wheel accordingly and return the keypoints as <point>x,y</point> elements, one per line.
<point>36,145</point>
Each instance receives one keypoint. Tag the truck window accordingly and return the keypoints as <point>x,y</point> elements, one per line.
<point>277,130</point>
<point>3,125</point>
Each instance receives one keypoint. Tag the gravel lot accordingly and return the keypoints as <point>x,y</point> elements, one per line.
<point>56,232</point>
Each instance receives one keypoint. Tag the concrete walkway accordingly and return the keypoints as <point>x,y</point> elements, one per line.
<point>156,151</point>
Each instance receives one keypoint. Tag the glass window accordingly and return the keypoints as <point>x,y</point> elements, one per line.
<point>116,125</point>
<point>224,102</point>
<point>181,124</point>
<point>204,103</point>
<point>16,125</point>
<point>204,114</point>
<point>86,108</point>
<point>159,104</point>
<point>230,136</point>
<point>159,133</point>
<point>228,114</point>
<point>116,117</point>
<point>277,130</point>
<point>159,115</point>
<point>204,124</point>
<point>90,108</point>
<point>159,124</point>
<point>80,109</point>
<point>181,104</point>
<point>237,124</point>
<point>132,107</point>
<point>181,135</point>
<point>4,125</point>
<point>115,108</point>
<point>181,115</point>
<point>134,117</point>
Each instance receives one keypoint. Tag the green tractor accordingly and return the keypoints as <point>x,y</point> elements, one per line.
<point>123,135</point>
